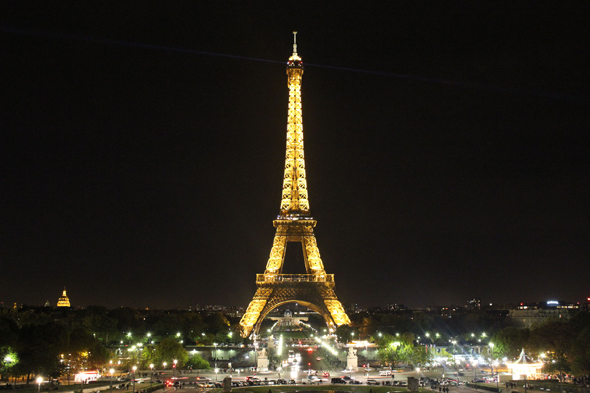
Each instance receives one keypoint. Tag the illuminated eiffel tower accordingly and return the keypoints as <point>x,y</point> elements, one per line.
<point>315,289</point>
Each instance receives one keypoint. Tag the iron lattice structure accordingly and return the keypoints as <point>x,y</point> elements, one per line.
<point>315,289</point>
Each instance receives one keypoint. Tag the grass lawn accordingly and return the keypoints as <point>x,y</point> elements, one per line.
<point>341,388</point>
<point>32,388</point>
<point>294,335</point>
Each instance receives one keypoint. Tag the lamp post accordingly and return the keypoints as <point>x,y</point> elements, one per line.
<point>492,360</point>
<point>134,368</point>
<point>474,375</point>
<point>215,345</point>
<point>39,380</point>
<point>151,375</point>
<point>498,376</point>
<point>255,355</point>
<point>454,351</point>
<point>164,364</point>
<point>112,372</point>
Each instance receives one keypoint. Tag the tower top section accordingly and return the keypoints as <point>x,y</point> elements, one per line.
<point>294,200</point>
<point>295,60</point>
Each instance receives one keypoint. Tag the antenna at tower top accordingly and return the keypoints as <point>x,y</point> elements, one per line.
<point>294,42</point>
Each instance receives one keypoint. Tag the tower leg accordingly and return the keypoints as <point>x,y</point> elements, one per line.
<point>253,311</point>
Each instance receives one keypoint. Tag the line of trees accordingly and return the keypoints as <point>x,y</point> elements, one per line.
<point>395,350</point>
<point>563,344</point>
<point>45,341</point>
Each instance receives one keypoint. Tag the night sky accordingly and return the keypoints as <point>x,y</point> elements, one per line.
<point>142,149</point>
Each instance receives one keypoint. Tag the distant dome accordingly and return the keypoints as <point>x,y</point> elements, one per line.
<point>63,300</point>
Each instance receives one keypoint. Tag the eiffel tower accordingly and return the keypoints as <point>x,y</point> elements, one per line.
<point>315,289</point>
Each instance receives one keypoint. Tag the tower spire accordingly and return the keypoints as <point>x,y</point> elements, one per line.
<point>294,201</point>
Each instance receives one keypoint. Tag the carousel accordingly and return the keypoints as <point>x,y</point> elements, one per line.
<point>525,368</point>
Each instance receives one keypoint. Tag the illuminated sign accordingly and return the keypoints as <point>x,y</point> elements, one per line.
<point>552,302</point>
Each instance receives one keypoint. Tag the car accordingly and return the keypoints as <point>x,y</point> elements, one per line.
<point>346,378</point>
<point>372,382</point>
<point>326,375</point>
<point>338,381</point>
<point>318,358</point>
<point>281,382</point>
<point>292,382</point>
<point>385,373</point>
<point>355,382</point>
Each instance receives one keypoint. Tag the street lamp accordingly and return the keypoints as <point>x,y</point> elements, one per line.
<point>39,380</point>
<point>152,375</point>
<point>215,345</point>
<point>492,353</point>
<point>134,368</point>
<point>497,376</point>
<point>474,376</point>
<point>112,370</point>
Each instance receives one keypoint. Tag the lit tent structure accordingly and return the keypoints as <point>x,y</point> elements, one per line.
<point>525,368</point>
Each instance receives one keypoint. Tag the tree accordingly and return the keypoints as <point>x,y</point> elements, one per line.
<point>396,350</point>
<point>509,341</point>
<point>580,351</point>
<point>38,349</point>
<point>344,333</point>
<point>420,356</point>
<point>148,356</point>
<point>196,362</point>
<point>8,360</point>
<point>556,363</point>
<point>98,355</point>
<point>169,350</point>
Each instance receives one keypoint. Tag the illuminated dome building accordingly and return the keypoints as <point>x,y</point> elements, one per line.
<point>63,300</point>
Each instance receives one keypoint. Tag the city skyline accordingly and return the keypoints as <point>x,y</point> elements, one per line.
<point>446,149</point>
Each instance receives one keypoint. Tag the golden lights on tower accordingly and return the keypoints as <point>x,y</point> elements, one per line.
<point>294,224</point>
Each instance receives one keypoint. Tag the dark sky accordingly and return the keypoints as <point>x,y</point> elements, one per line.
<point>447,149</point>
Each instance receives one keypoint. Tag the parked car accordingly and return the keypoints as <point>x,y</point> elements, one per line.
<point>372,382</point>
<point>337,381</point>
